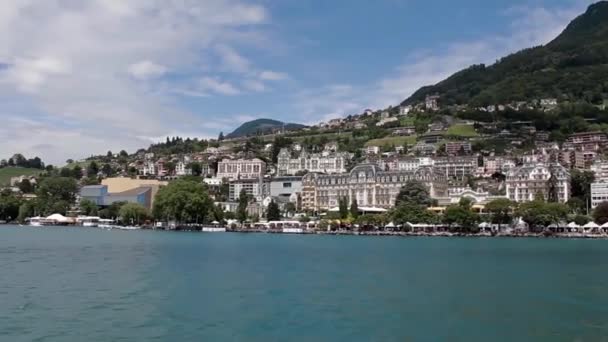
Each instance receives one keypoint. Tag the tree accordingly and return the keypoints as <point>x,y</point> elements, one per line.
<point>278,144</point>
<point>170,167</point>
<point>123,153</point>
<point>241,210</point>
<point>576,205</point>
<point>462,216</point>
<point>413,213</point>
<point>88,208</point>
<point>109,154</point>
<point>354,209</point>
<point>112,211</point>
<point>540,214</point>
<point>197,169</point>
<point>92,169</point>
<point>76,172</point>
<point>600,213</point>
<point>69,161</point>
<point>133,213</point>
<point>26,186</point>
<point>107,170</point>
<point>220,136</point>
<point>290,208</point>
<point>343,207</point>
<point>414,192</point>
<point>9,206</point>
<point>580,185</point>
<point>273,213</point>
<point>500,210</point>
<point>56,194</point>
<point>184,201</point>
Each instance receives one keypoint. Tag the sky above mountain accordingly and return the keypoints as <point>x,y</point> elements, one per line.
<point>83,77</point>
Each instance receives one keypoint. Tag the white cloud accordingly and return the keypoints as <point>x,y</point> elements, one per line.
<point>146,70</point>
<point>232,60</point>
<point>218,86</point>
<point>254,85</point>
<point>75,66</point>
<point>269,75</point>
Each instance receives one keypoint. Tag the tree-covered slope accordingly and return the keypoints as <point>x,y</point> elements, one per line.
<point>574,66</point>
<point>261,126</point>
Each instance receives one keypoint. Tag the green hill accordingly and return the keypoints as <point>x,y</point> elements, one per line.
<point>7,172</point>
<point>572,67</point>
<point>261,126</point>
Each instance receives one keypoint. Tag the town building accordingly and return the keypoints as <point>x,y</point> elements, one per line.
<point>405,110</point>
<point>587,141</point>
<point>15,181</point>
<point>496,164</point>
<point>386,121</point>
<point>182,169</point>
<point>600,169</point>
<point>372,149</point>
<point>100,195</point>
<point>257,189</point>
<point>526,182</point>
<point>368,185</point>
<point>125,184</point>
<point>424,149</point>
<point>285,186</point>
<point>234,169</point>
<point>455,148</point>
<point>599,193</point>
<point>404,131</point>
<point>432,102</point>
<point>326,162</point>
<point>456,167</point>
<point>413,163</point>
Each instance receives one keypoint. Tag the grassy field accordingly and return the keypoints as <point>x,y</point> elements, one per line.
<point>396,141</point>
<point>465,131</point>
<point>8,172</point>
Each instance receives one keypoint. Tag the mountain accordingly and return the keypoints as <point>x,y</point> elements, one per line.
<point>260,126</point>
<point>574,66</point>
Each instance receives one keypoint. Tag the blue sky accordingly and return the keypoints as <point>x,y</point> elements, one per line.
<point>87,77</point>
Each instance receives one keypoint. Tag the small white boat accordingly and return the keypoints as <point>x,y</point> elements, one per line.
<point>128,227</point>
<point>89,221</point>
<point>106,224</point>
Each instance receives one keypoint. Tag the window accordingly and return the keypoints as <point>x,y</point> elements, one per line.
<point>286,185</point>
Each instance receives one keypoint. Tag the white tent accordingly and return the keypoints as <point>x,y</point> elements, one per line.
<point>390,225</point>
<point>591,225</point>
<point>484,225</point>
<point>605,225</point>
<point>58,218</point>
<point>573,225</point>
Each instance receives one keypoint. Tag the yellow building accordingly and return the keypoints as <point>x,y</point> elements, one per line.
<point>123,184</point>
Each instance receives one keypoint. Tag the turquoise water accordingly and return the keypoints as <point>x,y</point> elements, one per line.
<point>74,284</point>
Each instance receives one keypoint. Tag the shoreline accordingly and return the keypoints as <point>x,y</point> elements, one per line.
<point>361,233</point>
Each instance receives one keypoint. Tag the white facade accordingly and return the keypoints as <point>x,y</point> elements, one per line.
<point>372,149</point>
<point>326,162</point>
<point>526,182</point>
<point>497,164</point>
<point>368,185</point>
<point>241,169</point>
<point>149,169</point>
<point>257,189</point>
<point>386,121</point>
<point>599,193</point>
<point>600,169</point>
<point>182,169</point>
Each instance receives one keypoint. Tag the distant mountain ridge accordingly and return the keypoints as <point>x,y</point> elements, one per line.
<point>574,66</point>
<point>262,126</point>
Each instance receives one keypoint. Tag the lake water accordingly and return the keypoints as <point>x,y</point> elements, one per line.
<point>75,284</point>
